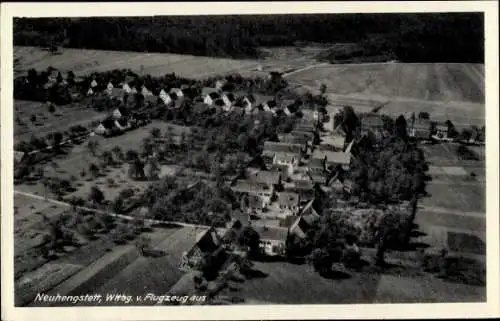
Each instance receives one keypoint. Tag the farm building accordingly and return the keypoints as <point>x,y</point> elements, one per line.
<point>288,203</point>
<point>371,122</point>
<point>105,127</point>
<point>245,101</point>
<point>441,131</point>
<point>120,112</point>
<point>90,92</point>
<point>332,143</point>
<point>207,243</point>
<point>229,100</point>
<point>271,178</point>
<point>177,91</point>
<point>93,83</point>
<point>305,221</point>
<point>243,187</point>
<point>145,91</point>
<point>272,240</point>
<point>292,139</point>
<point>333,158</point>
<point>420,128</point>
<point>116,93</point>
<point>211,98</point>
<point>285,147</point>
<point>126,88</point>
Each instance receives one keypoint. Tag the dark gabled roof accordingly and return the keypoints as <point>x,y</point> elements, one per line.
<point>230,96</point>
<point>108,123</point>
<point>219,102</point>
<point>268,177</point>
<point>288,198</point>
<point>247,186</point>
<point>282,147</point>
<point>271,103</point>
<point>209,242</point>
<point>123,122</point>
<point>123,111</point>
<point>214,95</point>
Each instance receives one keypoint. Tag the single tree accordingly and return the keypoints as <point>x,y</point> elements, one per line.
<point>96,195</point>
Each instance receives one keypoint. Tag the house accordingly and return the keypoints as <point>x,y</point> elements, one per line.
<point>133,91</point>
<point>211,98</point>
<point>229,100</point>
<point>304,187</point>
<point>419,128</point>
<point>93,84</point>
<point>332,143</point>
<point>145,91</point>
<point>441,131</point>
<point>207,243</point>
<point>18,157</point>
<point>372,122</point>
<point>291,160</point>
<point>219,84</point>
<point>177,91</point>
<point>288,203</point>
<point>310,116</point>
<point>244,187</point>
<point>126,88</point>
<point>116,93</point>
<point>109,87</point>
<point>271,178</point>
<point>90,92</point>
<point>244,101</point>
<point>290,109</point>
<point>285,147</point>
<point>120,112</point>
<point>270,105</point>
<point>122,124</point>
<point>333,158</point>
<point>306,220</point>
<point>272,240</point>
<point>167,99</point>
<point>106,127</point>
<point>292,139</point>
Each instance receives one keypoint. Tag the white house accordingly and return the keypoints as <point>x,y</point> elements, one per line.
<point>289,160</point>
<point>229,100</point>
<point>210,98</point>
<point>145,91</point>
<point>93,84</point>
<point>177,91</point>
<point>162,93</point>
<point>90,92</point>
<point>272,240</point>
<point>109,87</point>
<point>133,91</point>
<point>126,88</point>
<point>167,99</point>
<point>219,84</point>
<point>119,112</point>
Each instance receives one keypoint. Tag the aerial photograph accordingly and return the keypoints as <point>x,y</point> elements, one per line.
<point>249,159</point>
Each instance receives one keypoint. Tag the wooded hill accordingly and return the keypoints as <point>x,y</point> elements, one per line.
<point>437,37</point>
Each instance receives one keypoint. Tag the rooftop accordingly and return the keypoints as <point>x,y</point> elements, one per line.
<point>247,186</point>
<point>268,177</point>
<point>271,233</point>
<point>371,120</point>
<point>283,147</point>
<point>332,157</point>
<point>288,198</point>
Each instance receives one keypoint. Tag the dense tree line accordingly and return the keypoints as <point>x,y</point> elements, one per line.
<point>443,37</point>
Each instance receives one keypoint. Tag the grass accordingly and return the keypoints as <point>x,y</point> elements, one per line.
<point>458,197</point>
<point>393,289</point>
<point>286,283</point>
<point>69,115</point>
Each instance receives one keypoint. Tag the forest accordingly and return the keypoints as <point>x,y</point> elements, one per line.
<point>415,37</point>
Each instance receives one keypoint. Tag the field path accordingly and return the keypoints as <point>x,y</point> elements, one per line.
<point>126,217</point>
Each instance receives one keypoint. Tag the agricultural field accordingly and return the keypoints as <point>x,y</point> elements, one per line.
<point>82,62</point>
<point>46,122</point>
<point>435,82</point>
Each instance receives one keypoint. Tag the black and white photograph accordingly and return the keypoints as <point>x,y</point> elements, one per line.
<point>249,159</point>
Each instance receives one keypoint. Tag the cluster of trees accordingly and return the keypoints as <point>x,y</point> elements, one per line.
<point>414,37</point>
<point>202,204</point>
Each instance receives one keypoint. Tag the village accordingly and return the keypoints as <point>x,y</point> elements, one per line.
<point>291,177</point>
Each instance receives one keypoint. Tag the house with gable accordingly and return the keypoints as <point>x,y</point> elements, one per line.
<point>273,179</point>
<point>419,128</point>
<point>305,221</point>
<point>272,240</point>
<point>126,88</point>
<point>120,112</point>
<point>333,159</point>
<point>208,243</point>
<point>229,99</point>
<point>106,127</point>
<point>109,88</point>
<point>93,83</point>
<point>90,92</point>
<point>145,91</point>
<point>288,203</point>
<point>244,188</point>
<point>441,131</point>
<point>210,96</point>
